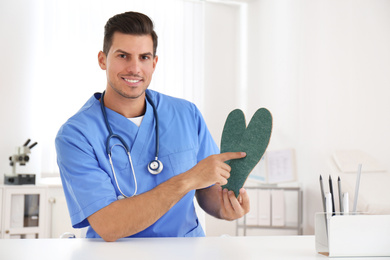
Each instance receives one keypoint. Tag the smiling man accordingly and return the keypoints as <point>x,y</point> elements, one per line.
<point>132,159</point>
<point>130,63</point>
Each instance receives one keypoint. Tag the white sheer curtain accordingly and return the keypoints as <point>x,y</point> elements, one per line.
<point>67,39</point>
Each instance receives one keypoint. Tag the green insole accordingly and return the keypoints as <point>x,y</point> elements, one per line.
<point>253,140</point>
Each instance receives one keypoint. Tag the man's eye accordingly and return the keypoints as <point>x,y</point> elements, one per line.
<point>145,57</point>
<point>122,56</point>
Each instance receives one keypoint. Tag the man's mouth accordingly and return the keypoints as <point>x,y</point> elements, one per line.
<point>132,80</point>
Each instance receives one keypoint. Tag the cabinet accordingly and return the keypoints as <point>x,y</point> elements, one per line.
<point>23,211</point>
<point>58,219</point>
<point>34,211</point>
<point>273,208</point>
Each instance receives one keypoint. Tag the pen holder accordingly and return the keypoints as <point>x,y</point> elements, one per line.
<point>352,235</point>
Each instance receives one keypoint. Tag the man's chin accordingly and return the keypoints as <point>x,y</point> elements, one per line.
<point>135,95</point>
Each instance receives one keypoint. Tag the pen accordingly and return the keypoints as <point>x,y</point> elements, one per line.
<point>340,196</point>
<point>346,203</point>
<point>322,194</point>
<point>357,188</point>
<point>331,192</point>
<point>328,198</point>
<point>329,205</point>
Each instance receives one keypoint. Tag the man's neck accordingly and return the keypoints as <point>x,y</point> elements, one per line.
<point>127,107</point>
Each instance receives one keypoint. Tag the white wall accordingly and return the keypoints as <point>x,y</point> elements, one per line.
<point>321,67</point>
<point>16,74</point>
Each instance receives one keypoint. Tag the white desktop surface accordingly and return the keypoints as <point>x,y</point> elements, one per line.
<point>225,248</point>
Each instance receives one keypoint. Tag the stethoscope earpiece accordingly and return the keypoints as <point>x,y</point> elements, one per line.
<point>155,167</point>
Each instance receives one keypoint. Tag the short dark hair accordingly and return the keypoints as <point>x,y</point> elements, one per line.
<point>129,23</point>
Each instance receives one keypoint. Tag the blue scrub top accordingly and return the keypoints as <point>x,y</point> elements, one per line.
<point>87,176</point>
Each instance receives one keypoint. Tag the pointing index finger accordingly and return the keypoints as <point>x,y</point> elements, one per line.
<point>231,155</point>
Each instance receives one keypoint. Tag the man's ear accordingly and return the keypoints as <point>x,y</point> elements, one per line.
<point>102,59</point>
<point>155,59</point>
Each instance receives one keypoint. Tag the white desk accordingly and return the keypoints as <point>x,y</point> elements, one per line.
<point>225,248</point>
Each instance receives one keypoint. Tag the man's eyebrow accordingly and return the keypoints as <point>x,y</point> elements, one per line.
<point>146,54</point>
<point>142,54</point>
<point>121,51</point>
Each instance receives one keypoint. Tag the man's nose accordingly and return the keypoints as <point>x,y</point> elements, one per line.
<point>133,66</point>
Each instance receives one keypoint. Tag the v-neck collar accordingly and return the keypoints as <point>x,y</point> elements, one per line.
<point>145,130</point>
<point>135,137</point>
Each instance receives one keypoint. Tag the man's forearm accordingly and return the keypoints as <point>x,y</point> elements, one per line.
<point>129,216</point>
<point>209,200</point>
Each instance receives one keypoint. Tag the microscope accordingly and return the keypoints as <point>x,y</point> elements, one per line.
<point>20,157</point>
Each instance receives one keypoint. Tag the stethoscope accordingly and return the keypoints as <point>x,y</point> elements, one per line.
<point>154,167</point>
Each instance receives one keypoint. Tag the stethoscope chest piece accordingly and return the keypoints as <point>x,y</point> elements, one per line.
<point>155,167</point>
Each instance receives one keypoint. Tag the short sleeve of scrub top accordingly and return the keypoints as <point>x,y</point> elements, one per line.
<point>87,176</point>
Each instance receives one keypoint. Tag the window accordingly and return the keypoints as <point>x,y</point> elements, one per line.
<point>67,39</point>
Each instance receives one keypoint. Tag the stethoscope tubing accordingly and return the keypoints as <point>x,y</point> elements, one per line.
<point>116,180</point>
<point>157,127</point>
<point>124,144</point>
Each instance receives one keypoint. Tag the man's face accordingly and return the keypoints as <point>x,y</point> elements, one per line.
<point>129,64</point>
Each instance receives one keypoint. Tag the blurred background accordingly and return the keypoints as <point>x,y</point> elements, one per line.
<point>321,67</point>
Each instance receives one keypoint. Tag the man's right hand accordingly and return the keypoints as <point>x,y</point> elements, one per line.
<point>212,170</point>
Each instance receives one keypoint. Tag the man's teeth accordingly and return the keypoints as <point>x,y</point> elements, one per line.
<point>132,80</point>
